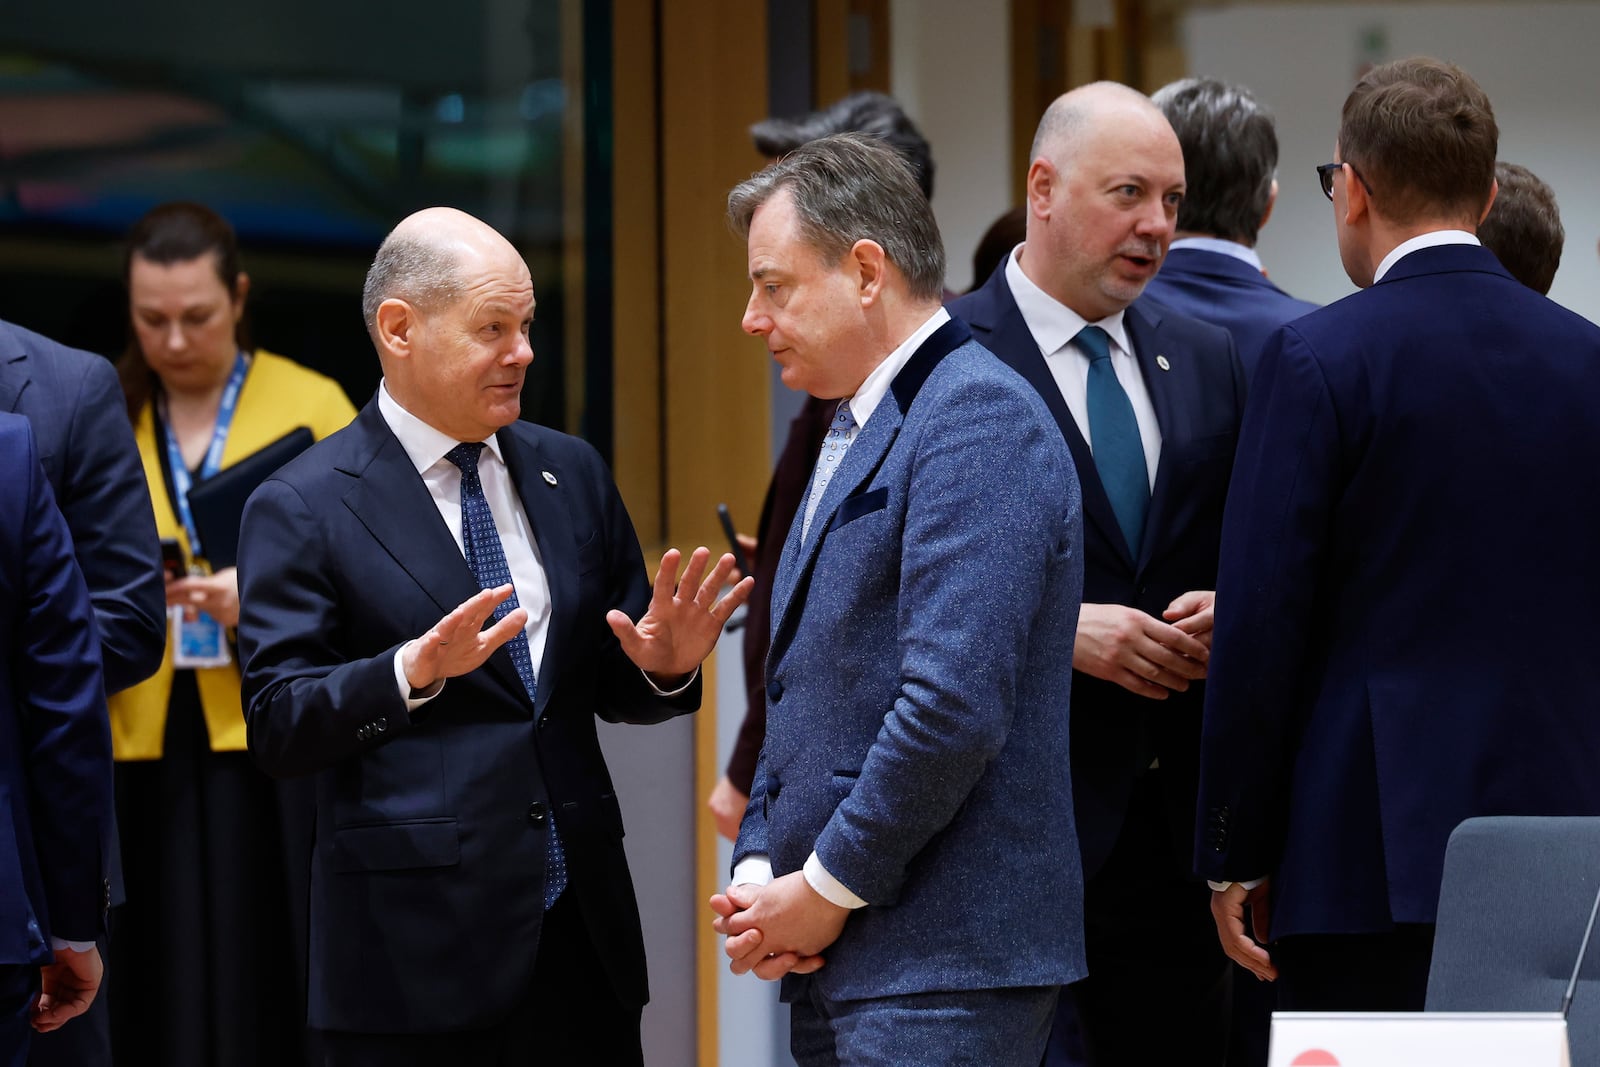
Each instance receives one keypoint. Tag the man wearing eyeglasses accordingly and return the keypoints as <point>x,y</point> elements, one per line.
<point>1400,559</point>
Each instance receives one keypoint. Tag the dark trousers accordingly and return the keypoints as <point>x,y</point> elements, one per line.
<point>570,1017</point>
<point>1159,985</point>
<point>18,985</point>
<point>1355,972</point>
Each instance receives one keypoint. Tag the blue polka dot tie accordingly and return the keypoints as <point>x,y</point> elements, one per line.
<point>480,544</point>
<point>840,435</point>
<point>1114,439</point>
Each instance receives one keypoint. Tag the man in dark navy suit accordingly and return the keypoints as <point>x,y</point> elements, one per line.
<point>1149,402</point>
<point>1230,159</point>
<point>1409,541</point>
<point>470,897</point>
<point>55,761</point>
<point>86,445</point>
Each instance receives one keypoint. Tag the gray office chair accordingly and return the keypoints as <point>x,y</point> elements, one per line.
<point>1516,898</point>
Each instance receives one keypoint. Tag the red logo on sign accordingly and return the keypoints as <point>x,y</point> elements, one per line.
<point>1315,1058</point>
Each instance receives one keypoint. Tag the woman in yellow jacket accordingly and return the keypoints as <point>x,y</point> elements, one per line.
<point>204,959</point>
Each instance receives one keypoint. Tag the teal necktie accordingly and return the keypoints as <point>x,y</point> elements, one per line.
<point>1114,439</point>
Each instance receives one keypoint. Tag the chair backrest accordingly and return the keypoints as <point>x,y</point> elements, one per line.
<point>1516,897</point>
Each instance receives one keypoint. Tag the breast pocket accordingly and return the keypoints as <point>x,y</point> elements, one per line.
<point>860,506</point>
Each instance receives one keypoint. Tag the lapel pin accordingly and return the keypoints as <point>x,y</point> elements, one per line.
<point>1161,361</point>
<point>551,478</point>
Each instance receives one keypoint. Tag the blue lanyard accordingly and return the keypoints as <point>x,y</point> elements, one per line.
<point>213,458</point>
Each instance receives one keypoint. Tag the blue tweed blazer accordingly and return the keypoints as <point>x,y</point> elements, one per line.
<point>918,684</point>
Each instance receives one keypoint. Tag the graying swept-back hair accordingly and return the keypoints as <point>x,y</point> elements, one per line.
<point>423,273</point>
<point>848,188</point>
<point>1230,156</point>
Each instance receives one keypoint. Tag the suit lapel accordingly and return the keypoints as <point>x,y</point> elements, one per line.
<point>13,371</point>
<point>1016,347</point>
<point>391,501</point>
<point>551,522</point>
<point>859,465</point>
<point>1165,389</point>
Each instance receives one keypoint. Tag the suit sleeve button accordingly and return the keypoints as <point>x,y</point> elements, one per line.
<point>383,724</point>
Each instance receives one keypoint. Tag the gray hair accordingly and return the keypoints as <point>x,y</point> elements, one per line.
<point>424,274</point>
<point>1230,155</point>
<point>848,188</point>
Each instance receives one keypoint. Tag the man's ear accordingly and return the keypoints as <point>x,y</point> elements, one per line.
<point>1272,202</point>
<point>394,326</point>
<point>1041,183</point>
<point>1357,202</point>
<point>869,263</point>
<point>1494,191</point>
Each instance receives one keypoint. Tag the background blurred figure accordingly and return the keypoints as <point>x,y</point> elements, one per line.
<point>1149,402</point>
<point>77,412</point>
<point>998,241</point>
<point>55,761</point>
<point>1230,160</point>
<point>205,972</point>
<point>1405,463</point>
<point>1523,228</point>
<point>881,117</point>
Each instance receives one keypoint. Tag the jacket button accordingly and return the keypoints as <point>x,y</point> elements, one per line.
<point>537,812</point>
<point>383,724</point>
<point>774,690</point>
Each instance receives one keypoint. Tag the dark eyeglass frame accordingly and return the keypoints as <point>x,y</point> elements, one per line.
<point>1325,174</point>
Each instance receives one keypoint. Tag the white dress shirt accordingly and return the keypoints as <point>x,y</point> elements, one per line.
<point>1053,326</point>
<point>426,448</point>
<point>756,868</point>
<point>1421,241</point>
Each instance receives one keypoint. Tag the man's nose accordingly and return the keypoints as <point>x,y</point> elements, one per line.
<point>755,322</point>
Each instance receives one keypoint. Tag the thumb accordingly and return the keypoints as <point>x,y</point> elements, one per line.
<point>627,633</point>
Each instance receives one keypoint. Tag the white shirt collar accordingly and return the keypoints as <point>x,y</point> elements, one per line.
<point>876,387</point>
<point>1051,322</point>
<point>1220,247</point>
<point>423,444</point>
<point>1420,241</point>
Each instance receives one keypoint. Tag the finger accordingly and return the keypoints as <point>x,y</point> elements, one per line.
<point>1175,641</point>
<point>1199,623</point>
<point>775,967</point>
<point>1170,662</point>
<point>730,603</point>
<point>666,582</point>
<point>720,576</point>
<point>740,946</point>
<point>807,965</point>
<point>627,633</point>
<point>508,627</point>
<point>1252,957</point>
<point>743,894</point>
<point>1261,921</point>
<point>747,542</point>
<point>722,905</point>
<point>689,583</point>
<point>1144,687</point>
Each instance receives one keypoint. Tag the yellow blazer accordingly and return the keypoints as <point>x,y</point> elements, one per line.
<point>278,395</point>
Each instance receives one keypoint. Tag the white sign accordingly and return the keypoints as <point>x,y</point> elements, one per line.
<point>1418,1039</point>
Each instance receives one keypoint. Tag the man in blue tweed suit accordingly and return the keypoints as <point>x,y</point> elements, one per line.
<point>908,862</point>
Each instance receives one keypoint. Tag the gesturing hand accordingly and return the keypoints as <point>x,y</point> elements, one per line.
<point>681,626</point>
<point>458,643</point>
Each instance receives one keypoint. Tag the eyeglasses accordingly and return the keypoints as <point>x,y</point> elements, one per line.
<point>1326,172</point>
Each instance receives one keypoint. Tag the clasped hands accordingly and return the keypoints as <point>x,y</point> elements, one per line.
<point>776,929</point>
<point>1142,653</point>
<point>677,632</point>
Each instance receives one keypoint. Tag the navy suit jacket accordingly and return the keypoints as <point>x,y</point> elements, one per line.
<point>55,738</point>
<point>86,444</point>
<point>428,872</point>
<point>1408,552</point>
<point>1199,401</point>
<point>918,683</point>
<point>1226,292</point>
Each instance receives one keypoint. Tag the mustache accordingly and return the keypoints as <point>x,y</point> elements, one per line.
<point>1147,249</point>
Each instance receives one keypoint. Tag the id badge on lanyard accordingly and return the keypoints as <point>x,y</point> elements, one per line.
<point>201,642</point>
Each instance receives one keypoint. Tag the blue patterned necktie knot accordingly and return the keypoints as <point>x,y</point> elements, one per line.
<point>1114,439</point>
<point>486,558</point>
<point>840,435</point>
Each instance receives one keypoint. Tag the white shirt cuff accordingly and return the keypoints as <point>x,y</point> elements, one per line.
<point>660,692</point>
<point>828,887</point>
<point>1222,887</point>
<point>59,943</point>
<point>413,703</point>
<point>754,869</point>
